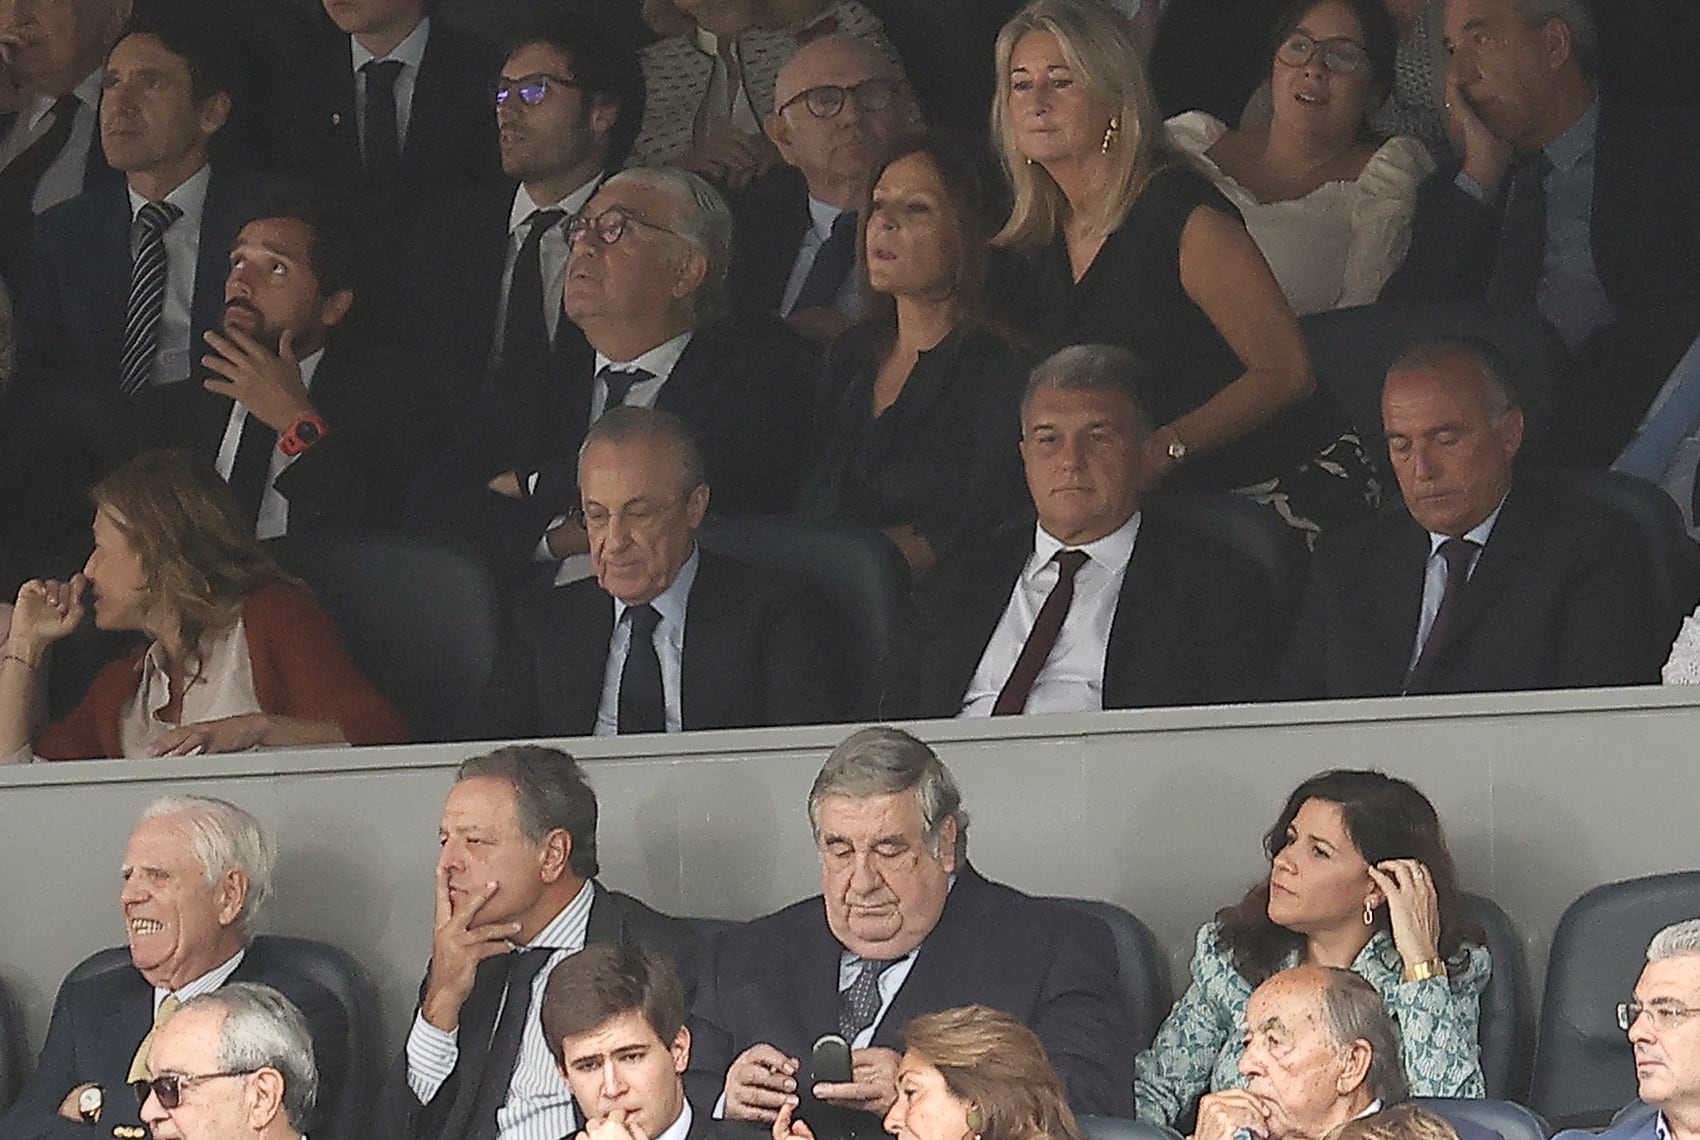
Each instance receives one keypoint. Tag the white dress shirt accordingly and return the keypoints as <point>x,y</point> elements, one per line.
<point>849,297</point>
<point>223,687</point>
<point>63,179</point>
<point>669,647</point>
<point>205,984</point>
<point>850,967</point>
<point>409,53</point>
<point>1072,679</point>
<point>721,105</point>
<point>551,253</point>
<point>539,1104</point>
<point>175,357</point>
<point>681,1127</point>
<point>274,508</point>
<point>1434,577</point>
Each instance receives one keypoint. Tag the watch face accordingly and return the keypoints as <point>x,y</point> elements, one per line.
<point>307,431</point>
<point>1177,449</point>
<point>89,1104</point>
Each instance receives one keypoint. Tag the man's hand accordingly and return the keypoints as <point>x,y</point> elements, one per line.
<point>1486,156</point>
<point>68,1107</point>
<point>874,1088</point>
<point>1221,1114</point>
<point>784,1128</point>
<point>268,384</point>
<point>458,944</point>
<point>614,1126</point>
<point>759,1083</point>
<point>730,157</point>
<point>568,539</point>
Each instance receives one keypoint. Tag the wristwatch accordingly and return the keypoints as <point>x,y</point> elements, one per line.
<point>302,434</point>
<point>1177,448</point>
<point>1423,971</point>
<point>89,1103</point>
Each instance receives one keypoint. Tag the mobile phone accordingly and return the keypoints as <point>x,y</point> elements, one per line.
<point>830,1062</point>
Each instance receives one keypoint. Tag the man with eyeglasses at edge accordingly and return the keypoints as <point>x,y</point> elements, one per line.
<point>233,1064</point>
<point>646,282</point>
<point>841,105</point>
<point>1660,1021</point>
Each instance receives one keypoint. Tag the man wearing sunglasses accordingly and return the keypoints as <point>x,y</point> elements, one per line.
<point>841,105</point>
<point>234,1064</point>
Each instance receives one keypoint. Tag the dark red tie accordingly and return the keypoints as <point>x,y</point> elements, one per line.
<point>1046,627</point>
<point>1458,553</point>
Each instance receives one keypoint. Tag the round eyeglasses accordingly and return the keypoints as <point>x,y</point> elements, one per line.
<point>825,101</point>
<point>610,225</point>
<point>1341,56</point>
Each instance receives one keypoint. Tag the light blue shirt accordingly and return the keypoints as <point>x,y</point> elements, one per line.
<point>671,603</point>
<point>1434,577</point>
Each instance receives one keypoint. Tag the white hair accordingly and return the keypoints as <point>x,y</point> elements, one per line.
<point>225,838</point>
<point>1678,940</point>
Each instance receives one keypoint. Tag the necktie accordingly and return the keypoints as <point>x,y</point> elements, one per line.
<point>1043,638</point>
<point>147,294</point>
<point>833,262</point>
<point>1458,553</point>
<point>619,382</point>
<point>252,465</point>
<point>383,140</point>
<point>860,1004</point>
<point>139,1070</point>
<point>18,181</point>
<point>525,333</point>
<point>1521,251</point>
<point>643,705</point>
<point>523,968</point>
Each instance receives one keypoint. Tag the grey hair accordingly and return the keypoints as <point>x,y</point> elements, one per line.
<point>629,422</point>
<point>1498,396</point>
<point>1091,368</point>
<point>263,1030</point>
<point>1353,1011</point>
<point>883,760</point>
<point>1678,940</point>
<point>550,793</point>
<point>882,63</point>
<point>703,219</point>
<point>1584,33</point>
<point>225,838</point>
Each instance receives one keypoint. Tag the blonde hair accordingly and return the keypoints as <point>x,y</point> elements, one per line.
<point>1098,44</point>
<point>999,1066</point>
<point>1401,1122</point>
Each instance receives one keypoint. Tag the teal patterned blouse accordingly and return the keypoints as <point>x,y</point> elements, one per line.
<point>1198,1049</point>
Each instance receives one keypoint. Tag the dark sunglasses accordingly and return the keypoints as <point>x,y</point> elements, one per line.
<point>531,89</point>
<point>169,1088</point>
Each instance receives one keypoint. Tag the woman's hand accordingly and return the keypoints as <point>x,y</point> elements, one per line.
<point>784,1128</point>
<point>729,157</point>
<point>46,612</point>
<point>1413,910</point>
<point>240,733</point>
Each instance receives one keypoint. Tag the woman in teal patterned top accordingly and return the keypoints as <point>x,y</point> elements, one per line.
<point>1359,877</point>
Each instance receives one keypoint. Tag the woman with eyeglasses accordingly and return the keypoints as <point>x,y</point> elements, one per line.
<point>1330,211</point>
<point>1359,878</point>
<point>709,78</point>
<point>917,417</point>
<point>1120,241</point>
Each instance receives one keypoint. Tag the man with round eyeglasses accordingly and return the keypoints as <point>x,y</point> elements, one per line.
<point>233,1064</point>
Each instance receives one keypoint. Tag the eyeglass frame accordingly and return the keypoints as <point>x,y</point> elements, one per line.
<point>1664,1016</point>
<point>171,1095</point>
<point>583,222</point>
<point>1328,47</point>
<point>846,95</point>
<point>501,90</point>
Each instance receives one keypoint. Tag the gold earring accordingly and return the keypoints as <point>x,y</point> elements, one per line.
<point>1369,914</point>
<point>1110,131</point>
<point>976,1120</point>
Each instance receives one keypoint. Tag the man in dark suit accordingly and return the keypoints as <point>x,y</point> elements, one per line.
<point>646,282</point>
<point>614,1017</point>
<point>516,895</point>
<point>1103,605</point>
<point>481,280</point>
<point>841,106</point>
<point>904,926</point>
<point>1482,582</point>
<point>1566,204</point>
<point>666,636</point>
<point>390,103</point>
<point>189,929</point>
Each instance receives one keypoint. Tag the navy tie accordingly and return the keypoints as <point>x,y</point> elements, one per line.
<point>643,704</point>
<point>525,335</point>
<point>619,382</point>
<point>833,262</point>
<point>383,137</point>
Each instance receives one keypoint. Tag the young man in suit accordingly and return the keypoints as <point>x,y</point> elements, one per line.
<point>516,895</point>
<point>1102,605</point>
<point>1483,582</point>
<point>189,926</point>
<point>904,926</point>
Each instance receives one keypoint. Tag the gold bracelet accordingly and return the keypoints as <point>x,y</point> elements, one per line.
<point>24,661</point>
<point>1423,971</point>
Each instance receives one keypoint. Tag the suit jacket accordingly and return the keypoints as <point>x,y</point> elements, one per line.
<point>614,918</point>
<point>756,654</point>
<point>769,220</point>
<point>1561,597</point>
<point>1639,1126</point>
<point>775,980</point>
<point>99,1021</point>
<point>1194,624</point>
<point>15,262</point>
<point>1644,229</point>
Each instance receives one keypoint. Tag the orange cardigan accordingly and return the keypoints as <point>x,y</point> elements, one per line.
<point>300,670</point>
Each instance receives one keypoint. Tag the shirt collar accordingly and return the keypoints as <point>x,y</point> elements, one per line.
<point>206,983</point>
<point>1661,1126</point>
<point>658,361</point>
<point>309,365</point>
<point>681,1127</point>
<point>670,603</point>
<point>821,216</point>
<point>566,931</point>
<point>410,51</point>
<point>1113,551</point>
<point>525,205</point>
<point>190,196</point>
<point>1477,534</point>
<point>1575,143</point>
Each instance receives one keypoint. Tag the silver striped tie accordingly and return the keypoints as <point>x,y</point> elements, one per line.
<point>147,293</point>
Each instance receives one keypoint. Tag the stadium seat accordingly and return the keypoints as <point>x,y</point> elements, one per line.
<point>858,572</point>
<point>1512,1121</point>
<point>1584,1067</point>
<point>1141,969</point>
<point>1254,531</point>
<point>421,621</point>
<point>1120,1128</point>
<point>1506,1033</point>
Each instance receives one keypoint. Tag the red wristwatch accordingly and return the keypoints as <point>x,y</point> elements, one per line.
<point>302,434</point>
